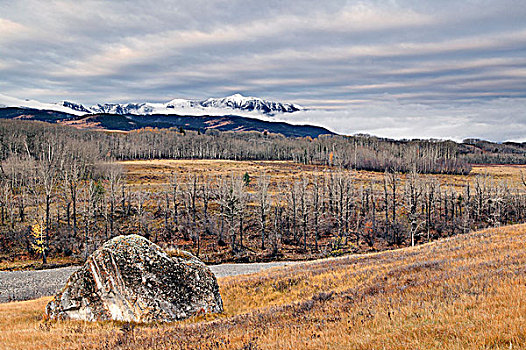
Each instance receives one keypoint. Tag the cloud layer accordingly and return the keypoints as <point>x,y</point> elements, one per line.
<point>399,68</point>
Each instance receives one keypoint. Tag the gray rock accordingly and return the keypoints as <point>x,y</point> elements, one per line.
<point>131,279</point>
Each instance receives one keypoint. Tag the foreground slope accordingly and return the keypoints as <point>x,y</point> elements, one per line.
<point>464,292</point>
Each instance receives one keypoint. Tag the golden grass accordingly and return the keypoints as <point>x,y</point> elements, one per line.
<point>500,172</point>
<point>157,172</point>
<point>465,292</point>
<point>28,263</point>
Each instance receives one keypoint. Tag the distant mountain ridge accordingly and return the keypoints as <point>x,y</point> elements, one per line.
<point>129,122</point>
<point>237,103</point>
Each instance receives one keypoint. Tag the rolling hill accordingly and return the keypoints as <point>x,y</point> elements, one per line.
<point>463,292</point>
<point>128,122</point>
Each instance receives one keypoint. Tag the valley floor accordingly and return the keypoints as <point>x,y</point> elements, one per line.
<point>467,291</point>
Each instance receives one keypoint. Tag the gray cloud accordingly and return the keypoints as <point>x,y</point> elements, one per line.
<point>497,119</point>
<point>402,68</point>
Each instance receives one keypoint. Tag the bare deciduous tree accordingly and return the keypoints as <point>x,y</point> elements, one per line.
<point>264,202</point>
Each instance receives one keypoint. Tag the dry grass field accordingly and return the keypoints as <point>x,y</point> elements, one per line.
<point>155,173</point>
<point>464,292</point>
<point>8,263</point>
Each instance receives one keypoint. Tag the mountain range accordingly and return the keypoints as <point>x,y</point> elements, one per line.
<point>231,113</point>
<point>237,103</point>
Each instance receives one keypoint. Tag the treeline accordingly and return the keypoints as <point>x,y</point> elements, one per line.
<point>477,151</point>
<point>356,152</point>
<point>360,152</point>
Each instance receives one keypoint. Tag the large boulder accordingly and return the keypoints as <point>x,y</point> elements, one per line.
<point>131,279</point>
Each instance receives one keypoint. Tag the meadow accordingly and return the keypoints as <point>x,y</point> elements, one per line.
<point>462,292</point>
<point>157,172</point>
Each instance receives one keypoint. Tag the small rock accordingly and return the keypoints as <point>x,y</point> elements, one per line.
<point>131,279</point>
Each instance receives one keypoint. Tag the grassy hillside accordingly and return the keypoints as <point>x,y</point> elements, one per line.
<point>468,291</point>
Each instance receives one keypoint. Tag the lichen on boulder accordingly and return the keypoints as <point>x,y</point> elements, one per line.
<point>131,279</point>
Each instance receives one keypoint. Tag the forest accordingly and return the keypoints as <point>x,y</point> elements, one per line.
<point>65,191</point>
<point>349,152</point>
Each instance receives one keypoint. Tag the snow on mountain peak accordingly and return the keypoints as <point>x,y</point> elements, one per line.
<point>178,101</point>
<point>236,103</point>
<point>240,98</point>
<point>74,106</point>
<point>8,101</point>
<point>251,104</point>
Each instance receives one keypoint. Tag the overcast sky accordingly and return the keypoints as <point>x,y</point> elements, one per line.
<point>397,68</point>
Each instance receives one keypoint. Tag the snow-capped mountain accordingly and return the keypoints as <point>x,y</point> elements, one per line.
<point>127,108</point>
<point>74,106</point>
<point>183,103</point>
<point>64,106</point>
<point>235,104</point>
<point>243,103</point>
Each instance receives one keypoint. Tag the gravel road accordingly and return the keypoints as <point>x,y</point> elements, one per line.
<point>25,285</point>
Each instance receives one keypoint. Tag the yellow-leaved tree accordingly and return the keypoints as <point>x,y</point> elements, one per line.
<point>39,241</point>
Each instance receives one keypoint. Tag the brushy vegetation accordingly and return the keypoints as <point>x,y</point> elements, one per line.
<point>464,292</point>
<point>245,211</point>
